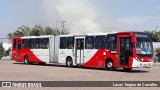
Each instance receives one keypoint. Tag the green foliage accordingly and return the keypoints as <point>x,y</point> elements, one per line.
<point>24,30</point>
<point>21,31</point>
<point>7,52</point>
<point>50,31</point>
<point>64,32</point>
<point>37,30</point>
<point>10,35</point>
<point>1,50</point>
<point>154,35</point>
<point>158,52</point>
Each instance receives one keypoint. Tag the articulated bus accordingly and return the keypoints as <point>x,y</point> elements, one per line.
<point>125,50</point>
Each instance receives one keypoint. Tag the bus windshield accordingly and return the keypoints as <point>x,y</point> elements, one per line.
<point>144,45</point>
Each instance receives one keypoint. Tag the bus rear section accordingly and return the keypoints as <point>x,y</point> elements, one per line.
<point>16,48</point>
<point>39,49</point>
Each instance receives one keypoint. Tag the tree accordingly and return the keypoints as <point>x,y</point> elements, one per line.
<point>21,31</point>
<point>40,30</point>
<point>24,30</point>
<point>37,30</point>
<point>7,52</point>
<point>50,31</point>
<point>10,35</point>
<point>1,50</point>
<point>154,35</point>
<point>64,32</point>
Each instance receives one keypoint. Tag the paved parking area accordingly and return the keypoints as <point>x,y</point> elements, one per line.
<point>13,71</point>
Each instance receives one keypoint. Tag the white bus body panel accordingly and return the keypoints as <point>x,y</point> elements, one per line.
<point>56,49</point>
<point>137,63</point>
<point>51,49</point>
<point>62,54</point>
<point>42,54</point>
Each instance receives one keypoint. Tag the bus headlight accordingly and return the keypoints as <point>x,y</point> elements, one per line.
<point>142,59</point>
<point>137,59</point>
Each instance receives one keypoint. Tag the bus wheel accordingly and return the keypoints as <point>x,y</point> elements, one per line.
<point>127,69</point>
<point>109,65</point>
<point>26,60</point>
<point>69,62</point>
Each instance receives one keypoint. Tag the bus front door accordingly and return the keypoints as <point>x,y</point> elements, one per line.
<point>18,51</point>
<point>79,51</point>
<point>125,51</point>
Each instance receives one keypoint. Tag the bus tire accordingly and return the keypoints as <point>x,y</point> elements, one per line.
<point>69,62</point>
<point>26,60</point>
<point>127,69</point>
<point>109,65</point>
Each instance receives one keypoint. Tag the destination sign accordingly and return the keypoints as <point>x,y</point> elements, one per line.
<point>141,35</point>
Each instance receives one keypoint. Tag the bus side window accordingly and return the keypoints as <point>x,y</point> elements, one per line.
<point>38,43</point>
<point>45,43</point>
<point>111,41</point>
<point>25,43</point>
<point>100,42</point>
<point>14,43</point>
<point>31,43</point>
<point>19,45</point>
<point>63,42</point>
<point>89,42</point>
<point>70,43</point>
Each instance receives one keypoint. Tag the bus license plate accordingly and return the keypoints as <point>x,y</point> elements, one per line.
<point>145,64</point>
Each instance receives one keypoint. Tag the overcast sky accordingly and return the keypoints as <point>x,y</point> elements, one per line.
<point>81,16</point>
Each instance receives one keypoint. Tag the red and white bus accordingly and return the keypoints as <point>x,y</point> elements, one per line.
<point>112,50</point>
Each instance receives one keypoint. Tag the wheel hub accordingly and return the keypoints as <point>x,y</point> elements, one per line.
<point>69,63</point>
<point>25,61</point>
<point>110,64</point>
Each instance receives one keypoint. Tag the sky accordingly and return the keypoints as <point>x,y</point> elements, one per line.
<point>80,16</point>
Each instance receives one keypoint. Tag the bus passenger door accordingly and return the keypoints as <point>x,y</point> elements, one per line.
<point>79,51</point>
<point>18,50</point>
<point>125,51</point>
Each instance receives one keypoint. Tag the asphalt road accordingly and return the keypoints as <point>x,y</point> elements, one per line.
<point>13,71</point>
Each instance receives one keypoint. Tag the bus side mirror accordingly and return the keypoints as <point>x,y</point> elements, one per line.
<point>134,40</point>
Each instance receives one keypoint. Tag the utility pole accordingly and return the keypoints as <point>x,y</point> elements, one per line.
<point>156,29</point>
<point>57,28</point>
<point>63,27</point>
<point>63,22</point>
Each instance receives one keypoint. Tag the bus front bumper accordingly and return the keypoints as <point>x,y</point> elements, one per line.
<point>137,63</point>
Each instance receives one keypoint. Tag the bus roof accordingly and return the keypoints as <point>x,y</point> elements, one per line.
<point>129,32</point>
<point>47,36</point>
<point>81,35</point>
<point>65,35</point>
